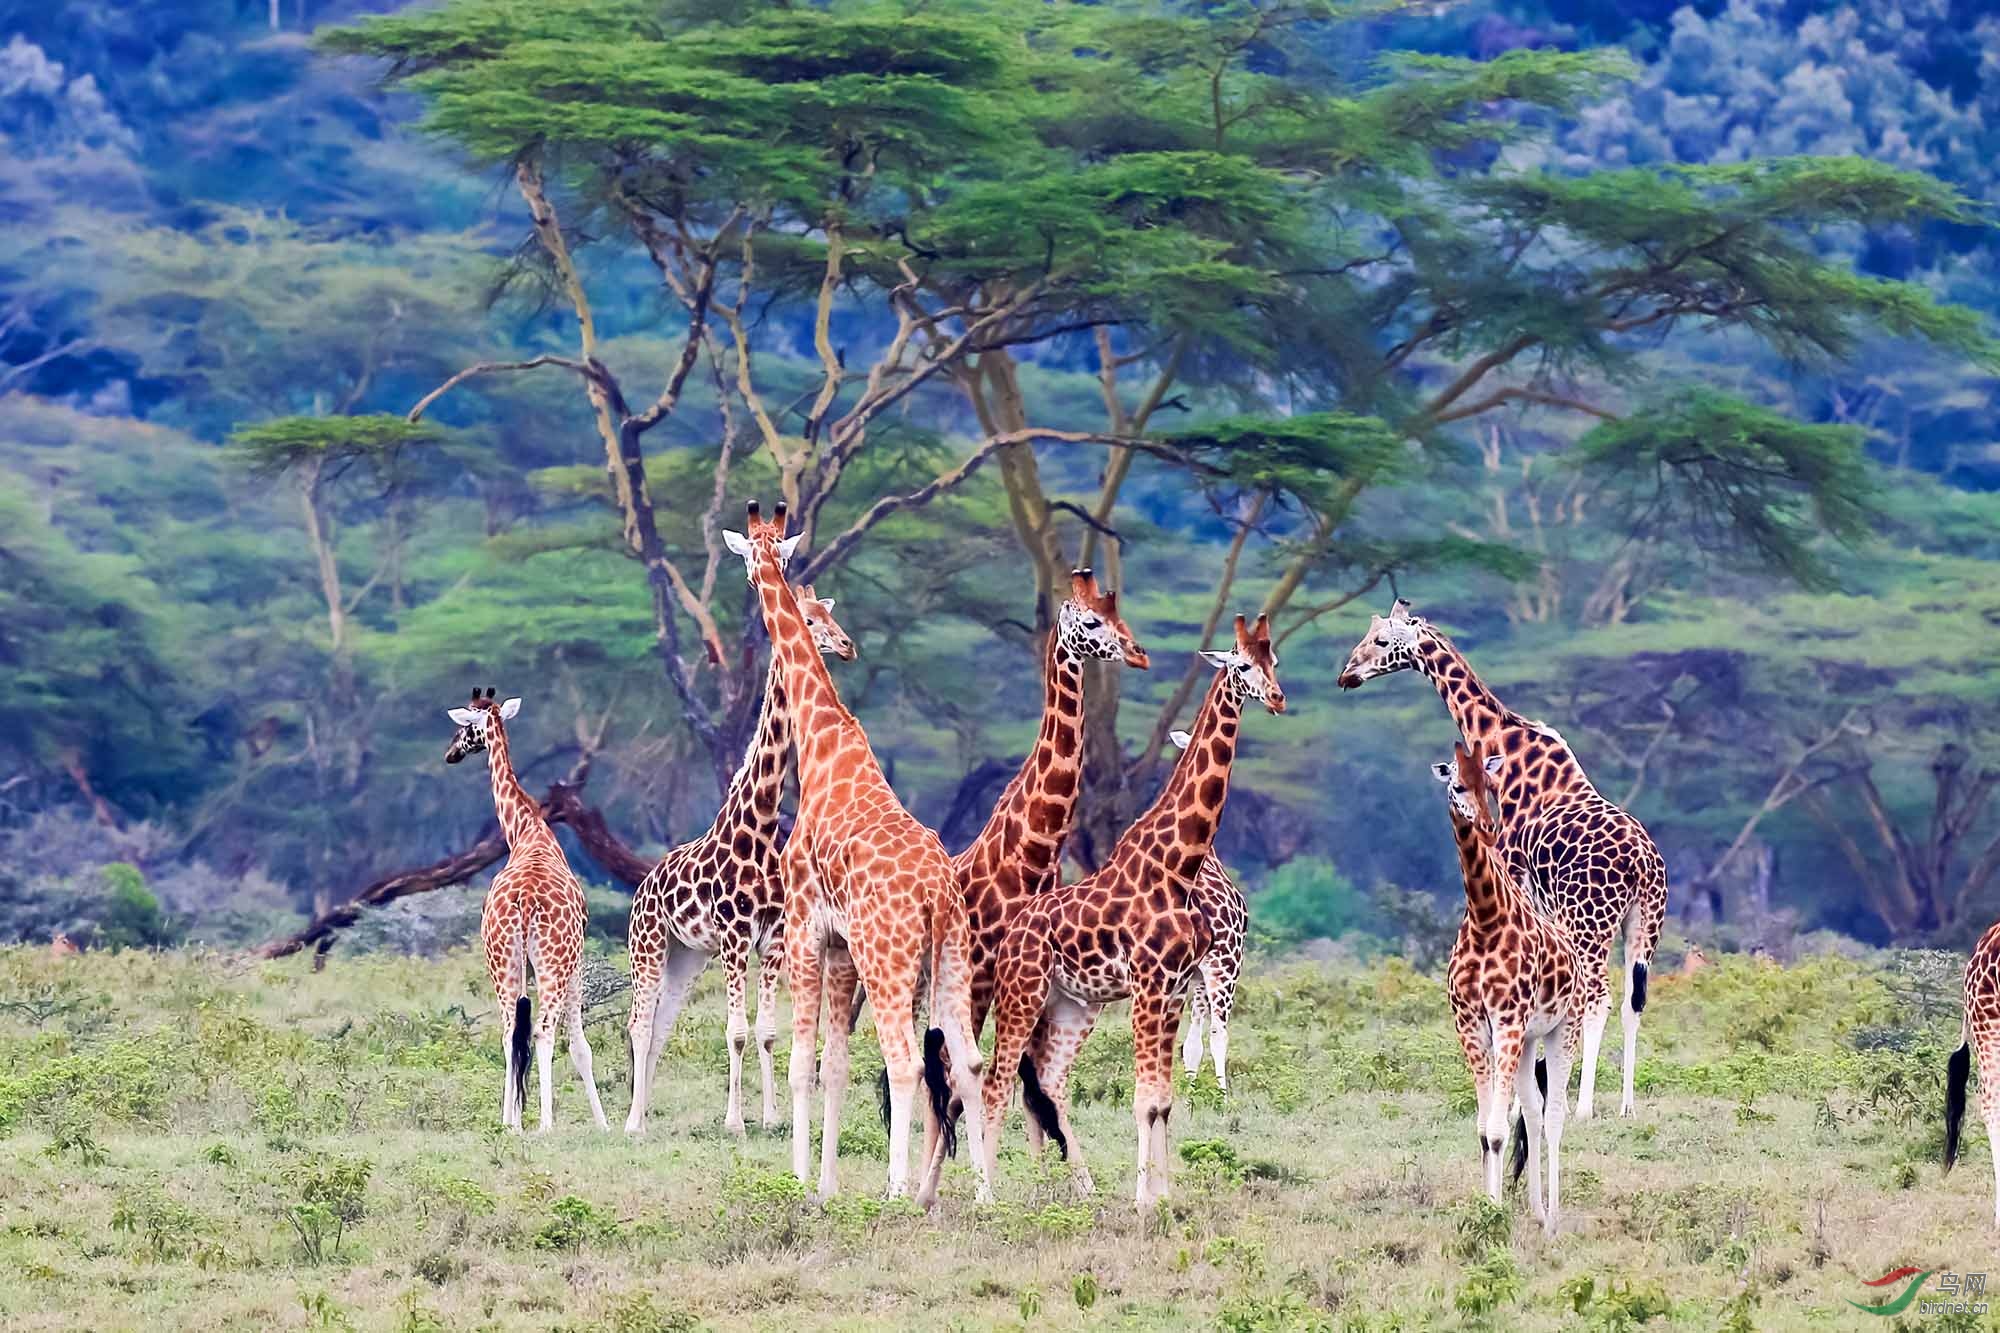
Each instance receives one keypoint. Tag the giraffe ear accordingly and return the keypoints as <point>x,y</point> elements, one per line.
<point>1180,738</point>
<point>463,716</point>
<point>790,544</point>
<point>1494,762</point>
<point>737,543</point>
<point>1220,661</point>
<point>508,709</point>
<point>1443,773</point>
<point>825,602</point>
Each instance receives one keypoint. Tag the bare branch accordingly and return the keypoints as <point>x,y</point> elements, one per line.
<point>493,368</point>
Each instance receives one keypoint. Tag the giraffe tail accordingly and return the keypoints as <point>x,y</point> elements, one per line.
<point>1638,991</point>
<point>1957,1072</point>
<point>517,1050</point>
<point>1041,1106</point>
<point>1520,1135</point>
<point>938,1084</point>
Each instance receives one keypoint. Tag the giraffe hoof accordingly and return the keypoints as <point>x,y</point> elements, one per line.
<point>736,1127</point>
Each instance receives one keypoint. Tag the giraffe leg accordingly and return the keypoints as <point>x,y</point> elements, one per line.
<point>1155,1016</point>
<point>1560,1050</point>
<point>1221,999</point>
<point>1530,1099</point>
<point>1642,933</point>
<point>682,968</point>
<point>647,974</point>
<point>736,967</point>
<point>770,968</point>
<point>510,1108</point>
<point>1595,1015</point>
<point>1197,1008</point>
<point>1020,991</point>
<point>1065,1026</point>
<point>545,1060</point>
<point>1473,1035</point>
<point>894,1018</point>
<point>804,950</point>
<point>1507,1043</point>
<point>579,1058</point>
<point>507,967</point>
<point>833,1064</point>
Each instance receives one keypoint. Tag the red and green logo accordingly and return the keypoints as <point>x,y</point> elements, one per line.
<point>1902,1302</point>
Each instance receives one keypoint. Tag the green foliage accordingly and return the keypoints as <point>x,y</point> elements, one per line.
<point>132,918</point>
<point>1489,1284</point>
<point>1306,898</point>
<point>575,1223</point>
<point>325,1196</point>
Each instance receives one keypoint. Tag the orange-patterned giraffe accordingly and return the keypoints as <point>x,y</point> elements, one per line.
<point>721,894</point>
<point>1587,861</point>
<point>1981,1041</point>
<point>533,918</point>
<point>1132,929</point>
<point>863,881</point>
<point>1212,994</point>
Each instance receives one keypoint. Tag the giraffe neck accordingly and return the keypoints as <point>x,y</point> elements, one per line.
<point>1538,764</point>
<point>752,799</point>
<point>520,814</point>
<point>1491,898</point>
<point>1032,817</point>
<point>1179,828</point>
<point>818,718</point>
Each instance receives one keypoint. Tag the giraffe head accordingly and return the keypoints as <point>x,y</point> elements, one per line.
<point>473,720</point>
<point>759,533</point>
<point>1252,664</point>
<point>827,633</point>
<point>1389,645</point>
<point>1465,779</point>
<point>1089,624</point>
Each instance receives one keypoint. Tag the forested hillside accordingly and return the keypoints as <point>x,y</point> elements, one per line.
<point>353,354</point>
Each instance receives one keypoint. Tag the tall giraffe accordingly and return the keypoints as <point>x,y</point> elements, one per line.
<point>533,918</point>
<point>1131,929</point>
<point>1019,851</point>
<point>1512,986</point>
<point>721,894</point>
<point>1981,1041</point>
<point>1212,994</point>
<point>869,895</point>
<point>1587,861</point>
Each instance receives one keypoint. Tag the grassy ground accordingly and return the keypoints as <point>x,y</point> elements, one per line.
<point>190,1142</point>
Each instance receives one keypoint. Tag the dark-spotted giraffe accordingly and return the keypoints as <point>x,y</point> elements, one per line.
<point>864,881</point>
<point>1512,986</point>
<point>1587,861</point>
<point>1212,994</point>
<point>721,895</point>
<point>1981,1042</point>
<point>533,918</point>
<point>1130,930</point>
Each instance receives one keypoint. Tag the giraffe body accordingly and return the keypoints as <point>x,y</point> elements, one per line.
<point>1130,930</point>
<point>1512,983</point>
<point>721,895</point>
<point>1980,1047</point>
<point>532,921</point>
<point>1589,863</point>
<point>1212,995</point>
<point>870,897</point>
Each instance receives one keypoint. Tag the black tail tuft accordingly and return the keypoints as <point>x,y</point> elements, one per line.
<point>1542,1079</point>
<point>1638,988</point>
<point>854,1021</point>
<point>882,1094</point>
<point>1520,1135</point>
<point>939,1086</point>
<point>517,1054</point>
<point>1041,1106</point>
<point>1957,1071</point>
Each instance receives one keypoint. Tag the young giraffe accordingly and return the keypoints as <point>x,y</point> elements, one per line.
<point>533,918</point>
<point>1018,853</point>
<point>1132,929</point>
<point>721,894</point>
<point>1512,985</point>
<point>1981,1040</point>
<point>868,891</point>
<point>1212,994</point>
<point>1587,861</point>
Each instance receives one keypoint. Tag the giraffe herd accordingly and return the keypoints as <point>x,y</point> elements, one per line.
<point>862,898</point>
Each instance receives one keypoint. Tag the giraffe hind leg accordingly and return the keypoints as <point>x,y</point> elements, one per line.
<point>579,1058</point>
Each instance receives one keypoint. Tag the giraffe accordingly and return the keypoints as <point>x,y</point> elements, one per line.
<point>62,946</point>
<point>1980,1040</point>
<point>1587,861</point>
<point>1212,994</point>
<point>869,897</point>
<point>1512,986</point>
<point>533,918</point>
<point>1019,851</point>
<point>721,894</point>
<point>1130,930</point>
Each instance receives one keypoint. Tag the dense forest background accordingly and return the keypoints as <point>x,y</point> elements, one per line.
<point>1644,347</point>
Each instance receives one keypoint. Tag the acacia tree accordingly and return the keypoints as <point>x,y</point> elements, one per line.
<point>1331,265</point>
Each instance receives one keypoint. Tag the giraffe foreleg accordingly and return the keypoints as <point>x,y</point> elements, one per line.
<point>1507,1047</point>
<point>770,969</point>
<point>1155,1017</point>
<point>804,948</point>
<point>736,966</point>
<point>1596,1013</point>
<point>1197,1009</point>
<point>1560,1050</point>
<point>833,1065</point>
<point>1060,1036</point>
<point>1528,1094</point>
<point>1219,979</point>
<point>647,976</point>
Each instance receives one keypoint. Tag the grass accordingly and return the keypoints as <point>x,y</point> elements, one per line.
<point>188,1141</point>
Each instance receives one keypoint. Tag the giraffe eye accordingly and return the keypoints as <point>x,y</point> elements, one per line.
<point>1382,642</point>
<point>1092,623</point>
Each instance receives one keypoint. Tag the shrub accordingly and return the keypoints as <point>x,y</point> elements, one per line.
<point>575,1223</point>
<point>1306,899</point>
<point>131,917</point>
<point>329,1194</point>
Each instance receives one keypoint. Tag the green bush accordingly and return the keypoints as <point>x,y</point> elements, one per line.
<point>132,917</point>
<point>328,1195</point>
<point>1306,899</point>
